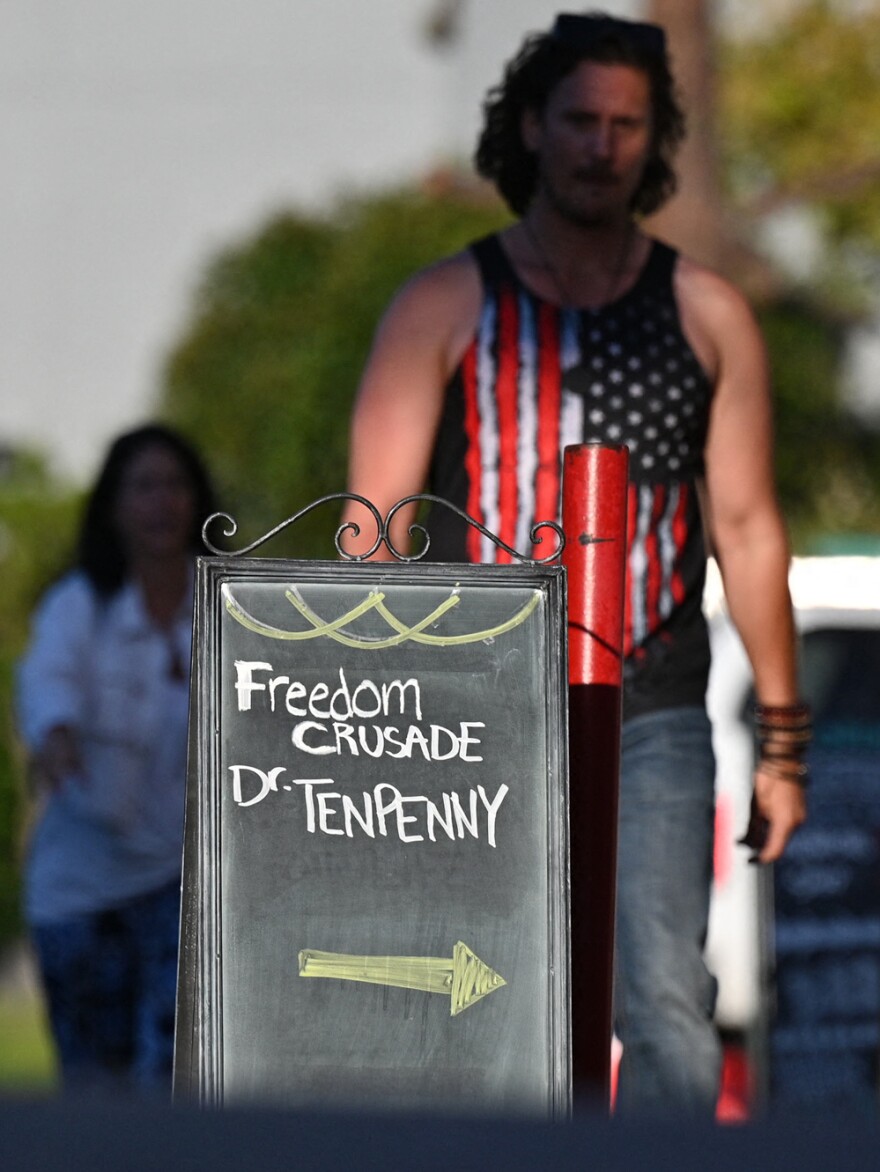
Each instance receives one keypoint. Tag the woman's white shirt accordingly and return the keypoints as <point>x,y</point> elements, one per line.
<point>102,667</point>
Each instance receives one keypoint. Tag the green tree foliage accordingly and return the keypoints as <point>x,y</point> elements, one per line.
<point>265,374</point>
<point>827,466</point>
<point>800,108</point>
<point>37,524</point>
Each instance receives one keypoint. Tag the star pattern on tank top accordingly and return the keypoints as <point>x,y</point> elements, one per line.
<point>640,385</point>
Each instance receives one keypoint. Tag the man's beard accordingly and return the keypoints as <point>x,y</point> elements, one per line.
<point>571,209</point>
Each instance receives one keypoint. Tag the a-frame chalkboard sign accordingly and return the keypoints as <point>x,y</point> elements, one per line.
<point>376,860</point>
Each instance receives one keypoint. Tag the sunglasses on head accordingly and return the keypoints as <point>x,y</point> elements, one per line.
<point>582,32</point>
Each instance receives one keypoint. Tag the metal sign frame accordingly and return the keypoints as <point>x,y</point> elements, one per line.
<point>200,1061</point>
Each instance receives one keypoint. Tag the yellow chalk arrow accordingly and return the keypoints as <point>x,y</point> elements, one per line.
<point>464,978</point>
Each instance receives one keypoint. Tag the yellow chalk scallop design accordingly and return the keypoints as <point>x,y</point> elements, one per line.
<point>374,601</point>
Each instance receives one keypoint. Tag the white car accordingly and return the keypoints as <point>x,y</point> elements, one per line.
<point>796,948</point>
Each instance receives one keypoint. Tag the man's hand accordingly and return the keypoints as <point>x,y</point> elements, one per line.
<point>778,809</point>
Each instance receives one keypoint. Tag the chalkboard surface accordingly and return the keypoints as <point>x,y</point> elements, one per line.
<point>376,861</point>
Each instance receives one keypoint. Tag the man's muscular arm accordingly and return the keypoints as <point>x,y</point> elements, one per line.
<point>744,520</point>
<point>417,346</point>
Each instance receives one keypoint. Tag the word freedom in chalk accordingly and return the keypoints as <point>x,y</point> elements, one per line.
<point>367,701</point>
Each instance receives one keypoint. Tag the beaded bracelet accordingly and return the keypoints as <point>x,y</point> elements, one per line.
<point>783,734</point>
<point>783,711</point>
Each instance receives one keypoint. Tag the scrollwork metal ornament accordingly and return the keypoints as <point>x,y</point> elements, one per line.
<point>383,533</point>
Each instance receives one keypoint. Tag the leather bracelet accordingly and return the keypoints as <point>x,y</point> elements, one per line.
<point>795,771</point>
<point>782,711</point>
<point>799,738</point>
<point>783,733</point>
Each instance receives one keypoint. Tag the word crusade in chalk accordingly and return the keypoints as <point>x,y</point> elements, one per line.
<point>335,706</point>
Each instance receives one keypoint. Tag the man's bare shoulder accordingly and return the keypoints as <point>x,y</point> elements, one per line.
<point>451,277</point>
<point>715,315</point>
<point>436,311</point>
<point>707,294</point>
<point>446,283</point>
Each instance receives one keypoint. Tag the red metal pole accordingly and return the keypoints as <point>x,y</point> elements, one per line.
<point>594,498</point>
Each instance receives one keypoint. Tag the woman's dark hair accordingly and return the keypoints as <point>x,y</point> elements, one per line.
<point>529,79</point>
<point>100,550</point>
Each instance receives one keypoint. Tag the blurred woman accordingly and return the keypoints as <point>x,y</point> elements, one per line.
<point>103,704</point>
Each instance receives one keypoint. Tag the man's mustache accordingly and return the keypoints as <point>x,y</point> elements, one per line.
<point>596,174</point>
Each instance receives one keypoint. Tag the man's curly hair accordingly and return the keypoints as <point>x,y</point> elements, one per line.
<point>539,66</point>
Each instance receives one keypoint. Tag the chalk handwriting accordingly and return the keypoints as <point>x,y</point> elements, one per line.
<point>437,744</point>
<point>383,810</point>
<point>366,701</point>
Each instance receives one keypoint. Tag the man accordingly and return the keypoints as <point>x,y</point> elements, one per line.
<point>574,325</point>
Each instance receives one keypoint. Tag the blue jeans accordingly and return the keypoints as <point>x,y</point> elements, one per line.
<point>110,979</point>
<point>664,994</point>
